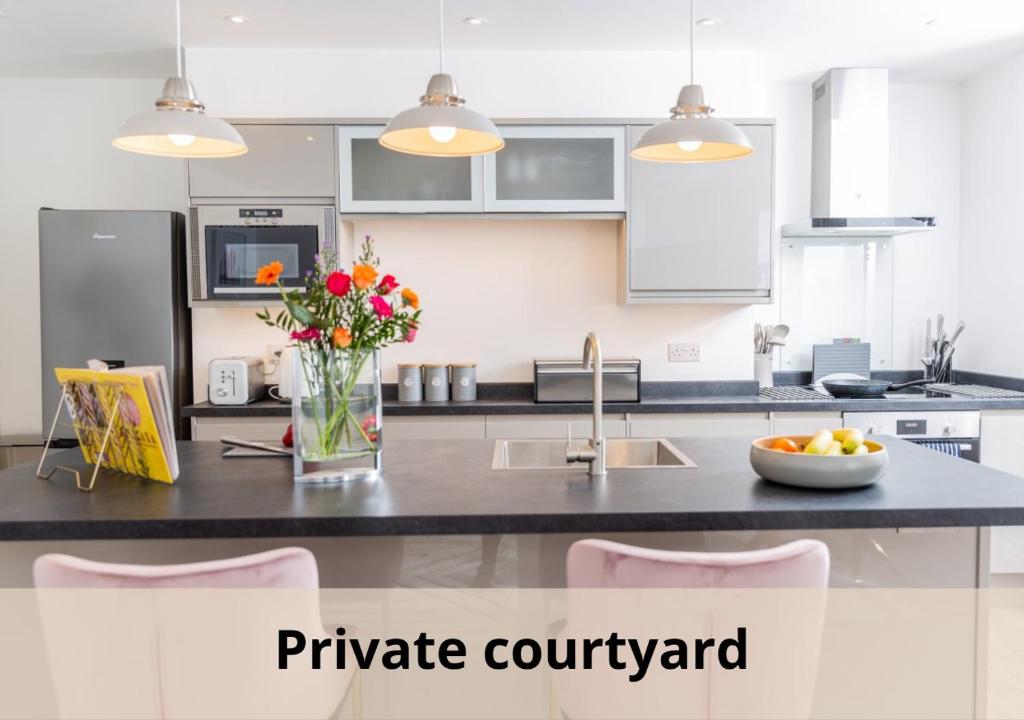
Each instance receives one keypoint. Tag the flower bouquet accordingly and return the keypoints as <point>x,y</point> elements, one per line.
<point>340,322</point>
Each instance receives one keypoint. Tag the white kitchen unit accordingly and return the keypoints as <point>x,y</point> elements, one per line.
<point>373,179</point>
<point>514,427</point>
<point>804,423</point>
<point>458,427</point>
<point>562,168</point>
<point>682,425</point>
<point>1002,447</point>
<point>701,233</point>
<point>284,161</point>
<point>262,429</point>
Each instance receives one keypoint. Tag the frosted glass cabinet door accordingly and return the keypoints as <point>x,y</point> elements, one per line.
<point>545,168</point>
<point>374,179</point>
<point>702,232</point>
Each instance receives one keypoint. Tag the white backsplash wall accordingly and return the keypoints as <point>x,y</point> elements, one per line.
<point>991,287</point>
<point>504,292</point>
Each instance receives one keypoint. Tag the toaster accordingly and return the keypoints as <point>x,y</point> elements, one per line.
<point>236,380</point>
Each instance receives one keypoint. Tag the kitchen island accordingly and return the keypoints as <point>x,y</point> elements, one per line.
<point>443,491</point>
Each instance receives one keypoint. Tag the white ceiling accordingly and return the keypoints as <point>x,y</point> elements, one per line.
<point>795,38</point>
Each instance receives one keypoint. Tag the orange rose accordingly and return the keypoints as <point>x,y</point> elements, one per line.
<point>411,299</point>
<point>269,273</point>
<point>341,337</point>
<point>363,276</point>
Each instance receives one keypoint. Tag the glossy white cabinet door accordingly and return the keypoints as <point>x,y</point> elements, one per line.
<point>562,168</point>
<point>373,179</point>
<point>752,425</point>
<point>702,232</point>
<point>806,423</point>
<point>556,427</point>
<point>460,427</point>
<point>1002,447</point>
<point>260,429</point>
<point>284,161</point>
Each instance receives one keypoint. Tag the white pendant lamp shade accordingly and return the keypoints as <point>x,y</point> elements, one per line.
<point>441,126</point>
<point>179,127</point>
<point>692,135</point>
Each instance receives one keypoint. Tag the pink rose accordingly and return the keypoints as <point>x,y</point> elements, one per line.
<point>387,284</point>
<point>310,333</point>
<point>381,306</point>
<point>338,283</point>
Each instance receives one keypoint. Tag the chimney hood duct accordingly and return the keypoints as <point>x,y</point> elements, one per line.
<point>850,159</point>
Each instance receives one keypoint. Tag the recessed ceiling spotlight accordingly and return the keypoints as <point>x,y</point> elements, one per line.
<point>707,22</point>
<point>474,20</point>
<point>237,19</point>
<point>933,21</point>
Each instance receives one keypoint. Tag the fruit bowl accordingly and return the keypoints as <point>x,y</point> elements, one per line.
<point>831,472</point>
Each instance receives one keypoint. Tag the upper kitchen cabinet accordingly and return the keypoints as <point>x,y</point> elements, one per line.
<point>545,168</point>
<point>284,161</point>
<point>701,232</point>
<point>373,179</point>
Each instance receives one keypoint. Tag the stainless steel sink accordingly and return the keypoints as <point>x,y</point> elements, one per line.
<point>623,453</point>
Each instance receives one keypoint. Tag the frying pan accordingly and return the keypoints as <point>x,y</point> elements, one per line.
<point>863,388</point>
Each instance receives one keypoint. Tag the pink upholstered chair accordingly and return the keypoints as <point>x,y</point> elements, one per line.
<point>209,652</point>
<point>601,563</point>
<point>784,628</point>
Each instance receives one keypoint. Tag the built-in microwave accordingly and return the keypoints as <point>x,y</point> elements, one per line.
<point>230,243</point>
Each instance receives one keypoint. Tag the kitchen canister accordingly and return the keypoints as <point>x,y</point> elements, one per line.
<point>463,382</point>
<point>435,382</point>
<point>763,369</point>
<point>410,382</point>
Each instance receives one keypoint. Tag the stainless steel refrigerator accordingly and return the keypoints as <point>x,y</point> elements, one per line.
<point>113,286</point>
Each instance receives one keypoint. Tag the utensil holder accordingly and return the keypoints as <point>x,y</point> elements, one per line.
<point>763,368</point>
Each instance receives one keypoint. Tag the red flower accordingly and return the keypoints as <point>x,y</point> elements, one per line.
<point>338,283</point>
<point>369,426</point>
<point>381,306</point>
<point>310,333</point>
<point>387,284</point>
<point>410,333</point>
<point>288,440</point>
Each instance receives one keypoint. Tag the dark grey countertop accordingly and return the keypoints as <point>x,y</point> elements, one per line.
<point>447,487</point>
<point>688,404</point>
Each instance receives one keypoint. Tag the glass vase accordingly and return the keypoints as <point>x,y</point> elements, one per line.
<point>336,417</point>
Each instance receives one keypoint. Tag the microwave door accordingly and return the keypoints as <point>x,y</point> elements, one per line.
<point>236,253</point>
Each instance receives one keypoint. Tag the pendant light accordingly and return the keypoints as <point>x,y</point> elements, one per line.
<point>179,127</point>
<point>441,126</point>
<point>692,135</point>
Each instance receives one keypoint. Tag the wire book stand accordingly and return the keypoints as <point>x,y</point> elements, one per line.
<point>90,433</point>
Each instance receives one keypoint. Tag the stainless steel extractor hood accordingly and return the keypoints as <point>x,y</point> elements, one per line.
<point>850,159</point>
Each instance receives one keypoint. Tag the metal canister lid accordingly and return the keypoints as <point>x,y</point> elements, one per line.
<point>409,366</point>
<point>463,365</point>
<point>435,365</point>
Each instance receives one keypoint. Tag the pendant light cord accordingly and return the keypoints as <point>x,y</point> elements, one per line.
<point>177,54</point>
<point>692,26</point>
<point>440,34</point>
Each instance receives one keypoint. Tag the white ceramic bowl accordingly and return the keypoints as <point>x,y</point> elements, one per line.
<point>818,471</point>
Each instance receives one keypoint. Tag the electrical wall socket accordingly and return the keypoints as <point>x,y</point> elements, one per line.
<point>272,360</point>
<point>683,352</point>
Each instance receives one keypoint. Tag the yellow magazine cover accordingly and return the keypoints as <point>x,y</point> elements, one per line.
<point>134,446</point>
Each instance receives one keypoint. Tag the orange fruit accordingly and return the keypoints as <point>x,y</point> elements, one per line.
<point>785,445</point>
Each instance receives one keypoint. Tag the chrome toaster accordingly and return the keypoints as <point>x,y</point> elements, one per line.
<point>236,380</point>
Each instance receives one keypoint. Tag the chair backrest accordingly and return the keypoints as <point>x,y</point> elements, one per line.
<point>601,563</point>
<point>783,628</point>
<point>284,568</point>
<point>138,641</point>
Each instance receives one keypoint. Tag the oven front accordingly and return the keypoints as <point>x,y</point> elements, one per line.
<point>230,244</point>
